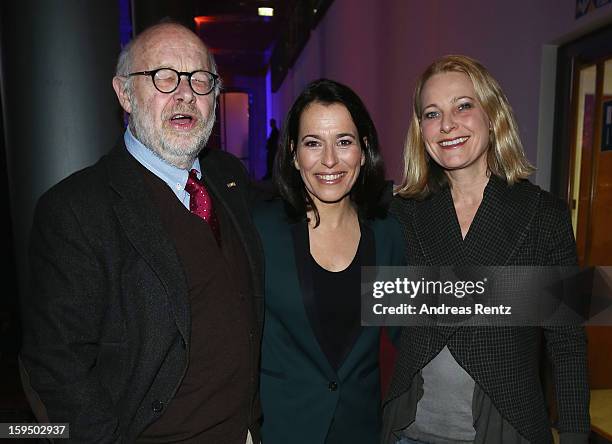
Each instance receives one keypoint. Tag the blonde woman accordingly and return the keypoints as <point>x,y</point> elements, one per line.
<point>465,199</point>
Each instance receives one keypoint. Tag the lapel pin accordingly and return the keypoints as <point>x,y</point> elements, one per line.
<point>231,184</point>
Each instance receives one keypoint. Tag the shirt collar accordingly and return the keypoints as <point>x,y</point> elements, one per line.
<point>176,178</point>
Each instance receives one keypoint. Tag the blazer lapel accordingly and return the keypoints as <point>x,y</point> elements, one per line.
<point>224,188</point>
<point>140,221</point>
<point>504,217</point>
<point>367,258</point>
<point>437,228</point>
<point>502,221</point>
<point>301,249</point>
<point>367,251</point>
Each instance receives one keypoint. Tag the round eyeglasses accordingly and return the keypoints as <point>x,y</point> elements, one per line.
<point>166,80</point>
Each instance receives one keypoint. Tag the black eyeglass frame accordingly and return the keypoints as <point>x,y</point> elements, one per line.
<point>152,73</point>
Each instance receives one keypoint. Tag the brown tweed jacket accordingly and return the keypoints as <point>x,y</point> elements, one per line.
<point>107,325</point>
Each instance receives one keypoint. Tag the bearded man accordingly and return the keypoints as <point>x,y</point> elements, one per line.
<point>144,319</point>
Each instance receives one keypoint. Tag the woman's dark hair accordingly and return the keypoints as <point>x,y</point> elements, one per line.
<point>367,192</point>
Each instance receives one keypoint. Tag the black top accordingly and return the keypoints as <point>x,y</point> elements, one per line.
<point>337,307</point>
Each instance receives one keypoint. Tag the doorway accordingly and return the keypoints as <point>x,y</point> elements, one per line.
<point>590,181</point>
<point>234,124</point>
<point>582,164</point>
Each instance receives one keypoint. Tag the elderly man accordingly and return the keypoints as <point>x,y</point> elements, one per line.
<point>143,323</point>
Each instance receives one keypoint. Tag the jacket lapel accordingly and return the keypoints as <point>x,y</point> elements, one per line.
<point>367,258</point>
<point>140,221</point>
<point>501,223</point>
<point>497,231</point>
<point>437,228</point>
<point>301,249</point>
<point>225,189</point>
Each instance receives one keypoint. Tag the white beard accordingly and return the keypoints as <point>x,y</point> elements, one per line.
<point>178,149</point>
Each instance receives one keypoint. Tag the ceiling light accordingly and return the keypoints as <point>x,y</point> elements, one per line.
<point>265,12</point>
<point>202,19</point>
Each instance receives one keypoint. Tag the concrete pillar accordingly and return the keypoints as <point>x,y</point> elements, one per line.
<point>60,111</point>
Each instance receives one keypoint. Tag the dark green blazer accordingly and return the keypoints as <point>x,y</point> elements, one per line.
<point>304,399</point>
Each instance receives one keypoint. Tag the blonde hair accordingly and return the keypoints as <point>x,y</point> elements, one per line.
<point>505,156</point>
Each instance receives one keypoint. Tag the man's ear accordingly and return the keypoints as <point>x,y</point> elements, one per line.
<point>120,87</point>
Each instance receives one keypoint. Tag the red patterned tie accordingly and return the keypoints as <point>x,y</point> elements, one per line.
<point>201,204</point>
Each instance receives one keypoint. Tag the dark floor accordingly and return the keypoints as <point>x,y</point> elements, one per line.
<point>13,405</point>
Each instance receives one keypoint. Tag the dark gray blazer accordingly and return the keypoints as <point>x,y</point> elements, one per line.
<point>518,225</point>
<point>107,323</point>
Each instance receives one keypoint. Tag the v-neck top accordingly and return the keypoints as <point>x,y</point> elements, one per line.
<point>336,304</point>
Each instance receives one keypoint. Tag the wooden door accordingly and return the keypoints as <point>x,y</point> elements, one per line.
<point>590,192</point>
